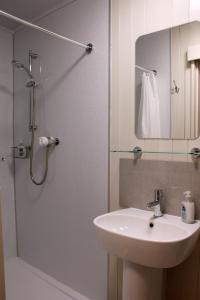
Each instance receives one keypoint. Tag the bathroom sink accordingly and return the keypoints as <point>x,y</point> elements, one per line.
<point>134,236</point>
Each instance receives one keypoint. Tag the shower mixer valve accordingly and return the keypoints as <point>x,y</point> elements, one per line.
<point>46,141</point>
<point>21,151</point>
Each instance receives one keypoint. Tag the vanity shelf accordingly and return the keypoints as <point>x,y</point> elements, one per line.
<point>137,152</point>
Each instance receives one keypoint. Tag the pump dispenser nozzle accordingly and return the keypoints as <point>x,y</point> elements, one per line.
<point>187,195</point>
<point>187,209</point>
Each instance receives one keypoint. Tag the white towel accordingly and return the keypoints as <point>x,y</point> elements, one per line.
<point>149,108</point>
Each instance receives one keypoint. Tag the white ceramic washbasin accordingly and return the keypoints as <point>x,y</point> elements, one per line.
<point>127,234</point>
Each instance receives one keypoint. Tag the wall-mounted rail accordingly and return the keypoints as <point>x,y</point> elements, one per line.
<point>146,70</point>
<point>137,152</point>
<point>88,47</point>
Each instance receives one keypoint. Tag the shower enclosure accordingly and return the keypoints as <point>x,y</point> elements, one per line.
<point>60,94</point>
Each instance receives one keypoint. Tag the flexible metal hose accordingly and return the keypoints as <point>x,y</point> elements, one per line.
<point>39,182</point>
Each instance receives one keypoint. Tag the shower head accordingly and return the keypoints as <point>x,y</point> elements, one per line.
<point>20,66</point>
<point>17,64</point>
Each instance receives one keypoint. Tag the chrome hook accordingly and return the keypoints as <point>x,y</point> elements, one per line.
<point>175,89</point>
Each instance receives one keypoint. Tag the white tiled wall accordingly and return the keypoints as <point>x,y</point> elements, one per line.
<point>194,9</point>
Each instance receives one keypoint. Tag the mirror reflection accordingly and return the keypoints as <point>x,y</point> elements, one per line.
<point>167,83</point>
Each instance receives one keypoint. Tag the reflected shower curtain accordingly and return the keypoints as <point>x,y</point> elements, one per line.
<point>194,99</point>
<point>149,108</point>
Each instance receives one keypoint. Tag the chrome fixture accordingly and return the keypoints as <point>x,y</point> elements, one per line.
<point>195,152</point>
<point>175,89</point>
<point>88,47</point>
<point>32,56</point>
<point>46,141</point>
<point>146,70</point>
<point>30,83</point>
<point>137,151</point>
<point>21,151</point>
<point>20,66</point>
<point>51,142</point>
<point>156,204</point>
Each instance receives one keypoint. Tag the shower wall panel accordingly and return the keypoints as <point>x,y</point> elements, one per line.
<point>54,221</point>
<point>6,142</point>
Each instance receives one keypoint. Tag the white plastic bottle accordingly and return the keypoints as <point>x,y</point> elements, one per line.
<point>187,208</point>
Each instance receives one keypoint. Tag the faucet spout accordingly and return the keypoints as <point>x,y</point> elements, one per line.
<point>156,204</point>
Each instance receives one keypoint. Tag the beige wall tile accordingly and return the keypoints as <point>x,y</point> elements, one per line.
<point>138,180</point>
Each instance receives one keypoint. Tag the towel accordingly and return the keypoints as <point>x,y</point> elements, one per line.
<point>149,109</point>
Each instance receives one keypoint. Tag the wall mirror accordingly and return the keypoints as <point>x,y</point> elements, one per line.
<point>167,83</point>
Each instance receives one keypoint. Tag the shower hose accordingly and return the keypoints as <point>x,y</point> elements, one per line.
<point>33,128</point>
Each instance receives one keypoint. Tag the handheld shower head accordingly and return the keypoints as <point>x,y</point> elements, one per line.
<point>20,66</point>
<point>17,64</point>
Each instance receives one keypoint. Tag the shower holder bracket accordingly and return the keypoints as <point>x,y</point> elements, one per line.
<point>33,55</point>
<point>33,127</point>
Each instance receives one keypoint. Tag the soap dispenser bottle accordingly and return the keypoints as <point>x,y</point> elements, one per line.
<point>187,208</point>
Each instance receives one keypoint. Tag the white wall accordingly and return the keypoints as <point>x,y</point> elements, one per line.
<point>54,222</point>
<point>153,52</point>
<point>6,138</point>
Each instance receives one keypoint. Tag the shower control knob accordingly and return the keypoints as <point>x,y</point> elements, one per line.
<point>45,141</point>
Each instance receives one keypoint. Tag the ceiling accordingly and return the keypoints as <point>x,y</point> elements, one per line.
<point>26,9</point>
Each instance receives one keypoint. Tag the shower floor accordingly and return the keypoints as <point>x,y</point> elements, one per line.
<point>26,282</point>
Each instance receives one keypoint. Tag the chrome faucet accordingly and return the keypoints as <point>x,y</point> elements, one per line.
<point>156,204</point>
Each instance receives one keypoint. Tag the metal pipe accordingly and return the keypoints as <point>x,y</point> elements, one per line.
<point>88,47</point>
<point>146,70</point>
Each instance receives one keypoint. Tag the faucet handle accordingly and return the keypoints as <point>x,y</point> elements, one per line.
<point>152,204</point>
